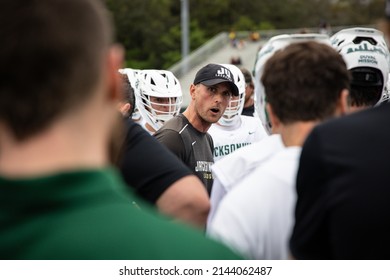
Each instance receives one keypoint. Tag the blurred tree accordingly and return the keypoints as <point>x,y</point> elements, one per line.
<point>244,23</point>
<point>140,25</point>
<point>150,29</point>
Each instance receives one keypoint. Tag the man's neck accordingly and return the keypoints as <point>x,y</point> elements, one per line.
<point>198,123</point>
<point>296,133</point>
<point>59,148</point>
<point>354,108</point>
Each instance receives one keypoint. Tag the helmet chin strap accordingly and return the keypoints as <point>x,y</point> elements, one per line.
<point>164,117</point>
<point>229,122</point>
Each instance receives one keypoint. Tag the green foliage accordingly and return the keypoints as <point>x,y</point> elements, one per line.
<point>244,23</point>
<point>265,25</point>
<point>197,35</point>
<point>150,30</point>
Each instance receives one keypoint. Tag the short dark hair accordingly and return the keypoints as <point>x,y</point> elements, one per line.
<point>365,96</point>
<point>247,75</point>
<point>303,82</point>
<point>128,93</point>
<point>50,59</point>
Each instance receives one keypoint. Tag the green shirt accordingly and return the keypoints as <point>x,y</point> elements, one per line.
<point>90,214</point>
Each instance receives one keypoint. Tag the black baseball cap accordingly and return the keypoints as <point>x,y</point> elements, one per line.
<point>213,74</point>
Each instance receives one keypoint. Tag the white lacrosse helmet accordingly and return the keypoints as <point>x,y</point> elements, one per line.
<point>132,75</point>
<point>274,44</point>
<point>386,92</point>
<point>160,96</point>
<point>366,54</point>
<point>235,106</point>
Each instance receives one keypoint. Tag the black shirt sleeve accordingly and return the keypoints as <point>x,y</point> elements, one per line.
<point>173,141</point>
<point>147,166</point>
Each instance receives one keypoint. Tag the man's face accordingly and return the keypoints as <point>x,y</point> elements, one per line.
<point>232,108</point>
<point>163,104</point>
<point>211,101</point>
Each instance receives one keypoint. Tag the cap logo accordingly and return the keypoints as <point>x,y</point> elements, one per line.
<point>224,73</point>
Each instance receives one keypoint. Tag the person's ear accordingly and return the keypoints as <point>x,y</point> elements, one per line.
<point>343,104</point>
<point>192,91</point>
<point>274,120</point>
<point>114,81</point>
<point>124,108</point>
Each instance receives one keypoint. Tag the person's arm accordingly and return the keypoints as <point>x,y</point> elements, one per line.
<point>187,200</point>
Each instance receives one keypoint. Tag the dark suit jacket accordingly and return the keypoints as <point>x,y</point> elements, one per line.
<point>343,186</point>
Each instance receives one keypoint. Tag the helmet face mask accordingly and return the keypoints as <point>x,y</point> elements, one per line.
<point>236,104</point>
<point>234,107</point>
<point>161,109</point>
<point>159,98</point>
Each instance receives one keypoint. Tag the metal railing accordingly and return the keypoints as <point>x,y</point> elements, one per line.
<point>199,55</point>
<point>219,41</point>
